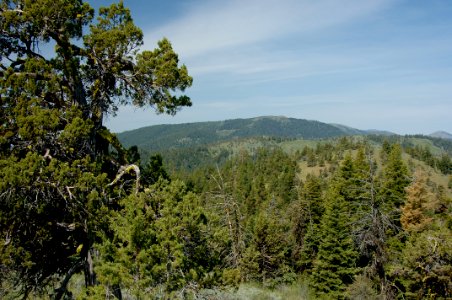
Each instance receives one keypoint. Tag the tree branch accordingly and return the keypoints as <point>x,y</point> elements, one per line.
<point>124,170</point>
<point>63,288</point>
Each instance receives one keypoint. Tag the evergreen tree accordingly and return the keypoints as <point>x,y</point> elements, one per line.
<point>154,170</point>
<point>58,161</point>
<point>444,164</point>
<point>306,215</point>
<point>335,264</point>
<point>395,178</point>
<point>264,258</point>
<point>426,268</point>
<point>158,241</point>
<point>371,220</point>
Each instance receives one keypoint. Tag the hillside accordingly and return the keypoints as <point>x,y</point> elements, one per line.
<point>159,137</point>
<point>442,135</point>
<point>188,146</point>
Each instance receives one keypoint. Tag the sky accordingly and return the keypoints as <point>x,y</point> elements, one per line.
<point>373,64</point>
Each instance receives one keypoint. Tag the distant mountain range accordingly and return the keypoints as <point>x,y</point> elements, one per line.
<point>159,137</point>
<point>173,136</point>
<point>442,135</point>
<point>188,146</point>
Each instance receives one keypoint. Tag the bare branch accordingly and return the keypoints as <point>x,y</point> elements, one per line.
<point>124,170</point>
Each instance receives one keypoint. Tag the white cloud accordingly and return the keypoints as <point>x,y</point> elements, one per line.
<point>224,25</point>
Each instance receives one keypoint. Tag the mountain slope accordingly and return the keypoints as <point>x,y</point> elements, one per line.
<point>442,135</point>
<point>187,135</point>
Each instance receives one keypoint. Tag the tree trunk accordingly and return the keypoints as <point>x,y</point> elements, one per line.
<point>117,291</point>
<point>90,276</point>
<point>61,291</point>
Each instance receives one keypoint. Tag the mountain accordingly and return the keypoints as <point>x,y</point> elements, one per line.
<point>348,130</point>
<point>380,132</point>
<point>159,137</point>
<point>442,135</point>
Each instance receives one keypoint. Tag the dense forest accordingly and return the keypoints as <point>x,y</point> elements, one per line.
<point>264,217</point>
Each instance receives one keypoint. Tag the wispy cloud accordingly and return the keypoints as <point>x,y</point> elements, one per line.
<point>228,24</point>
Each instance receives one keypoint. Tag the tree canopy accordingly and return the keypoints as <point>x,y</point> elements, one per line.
<point>63,69</point>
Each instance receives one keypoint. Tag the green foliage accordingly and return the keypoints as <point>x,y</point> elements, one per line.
<point>158,240</point>
<point>361,289</point>
<point>56,158</point>
<point>264,258</point>
<point>306,215</point>
<point>335,263</point>
<point>427,265</point>
<point>154,170</point>
<point>396,178</point>
<point>71,199</point>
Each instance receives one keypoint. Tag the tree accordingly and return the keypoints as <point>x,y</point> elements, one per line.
<point>264,258</point>
<point>56,156</point>
<point>158,242</point>
<point>154,170</point>
<point>371,220</point>
<point>444,164</point>
<point>335,264</point>
<point>395,177</point>
<point>427,265</point>
<point>306,216</point>
<point>419,206</point>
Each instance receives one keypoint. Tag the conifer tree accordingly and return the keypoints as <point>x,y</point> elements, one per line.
<point>264,258</point>
<point>335,264</point>
<point>395,178</point>
<point>371,220</point>
<point>420,204</point>
<point>306,216</point>
<point>426,267</point>
<point>58,180</point>
<point>158,241</point>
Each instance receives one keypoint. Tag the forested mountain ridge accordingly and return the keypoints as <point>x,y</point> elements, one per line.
<point>185,147</point>
<point>171,136</point>
<point>159,137</point>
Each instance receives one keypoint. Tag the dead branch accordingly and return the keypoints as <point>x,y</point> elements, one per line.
<point>124,170</point>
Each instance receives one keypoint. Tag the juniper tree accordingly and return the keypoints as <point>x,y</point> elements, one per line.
<point>158,242</point>
<point>55,154</point>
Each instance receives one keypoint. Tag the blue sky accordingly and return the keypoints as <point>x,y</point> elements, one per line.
<point>373,64</point>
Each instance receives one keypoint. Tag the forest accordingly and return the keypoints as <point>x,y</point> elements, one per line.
<point>84,217</point>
